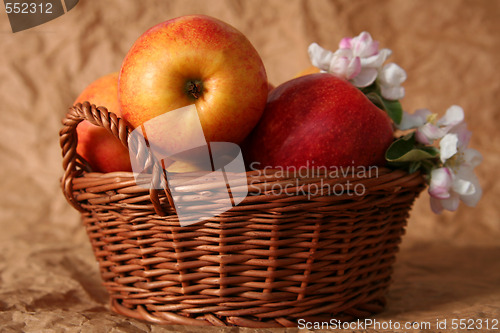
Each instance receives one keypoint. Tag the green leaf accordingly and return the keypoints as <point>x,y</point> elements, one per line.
<point>431,150</point>
<point>414,166</point>
<point>376,99</point>
<point>372,88</point>
<point>400,147</point>
<point>405,150</point>
<point>393,108</point>
<point>412,156</point>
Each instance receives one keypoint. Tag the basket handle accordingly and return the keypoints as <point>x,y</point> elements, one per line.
<point>74,165</point>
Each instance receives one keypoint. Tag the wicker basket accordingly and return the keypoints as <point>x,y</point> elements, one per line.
<point>271,260</point>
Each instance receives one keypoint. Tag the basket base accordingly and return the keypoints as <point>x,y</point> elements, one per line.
<point>140,312</point>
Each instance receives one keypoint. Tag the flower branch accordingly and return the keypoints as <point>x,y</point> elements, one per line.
<point>436,147</point>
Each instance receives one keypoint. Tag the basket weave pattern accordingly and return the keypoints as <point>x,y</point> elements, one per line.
<point>271,260</point>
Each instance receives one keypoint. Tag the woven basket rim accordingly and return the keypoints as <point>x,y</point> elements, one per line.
<point>76,167</point>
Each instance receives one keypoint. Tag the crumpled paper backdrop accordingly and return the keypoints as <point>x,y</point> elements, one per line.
<point>449,265</point>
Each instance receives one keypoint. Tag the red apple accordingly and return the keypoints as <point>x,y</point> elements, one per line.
<point>96,145</point>
<point>319,120</point>
<point>193,60</point>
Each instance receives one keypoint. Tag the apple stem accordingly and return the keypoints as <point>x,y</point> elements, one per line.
<point>194,88</point>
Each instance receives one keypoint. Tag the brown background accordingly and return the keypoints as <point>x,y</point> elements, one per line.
<point>449,265</point>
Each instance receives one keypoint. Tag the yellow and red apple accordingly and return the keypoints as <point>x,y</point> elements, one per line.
<point>319,120</point>
<point>193,60</point>
<point>96,145</point>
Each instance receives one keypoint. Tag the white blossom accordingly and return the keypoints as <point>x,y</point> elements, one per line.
<point>358,59</point>
<point>456,180</point>
<point>391,76</point>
